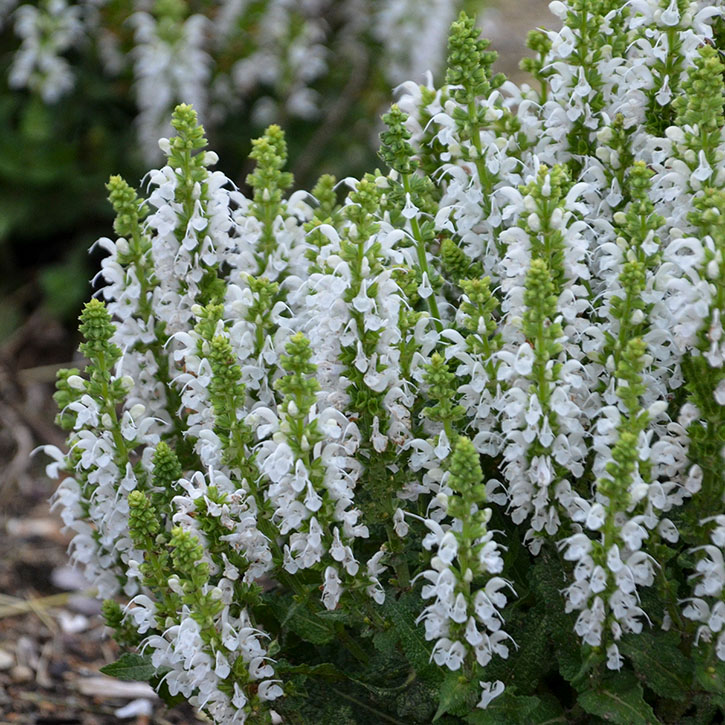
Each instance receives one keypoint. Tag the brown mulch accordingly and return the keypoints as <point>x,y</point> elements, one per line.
<point>52,639</point>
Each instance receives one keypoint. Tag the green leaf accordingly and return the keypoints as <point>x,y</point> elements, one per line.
<point>456,692</point>
<point>130,666</point>
<point>710,673</point>
<point>548,579</point>
<point>548,712</point>
<point>163,692</point>
<point>385,642</point>
<point>403,612</point>
<point>660,663</point>
<point>618,701</point>
<point>296,617</point>
<point>532,660</point>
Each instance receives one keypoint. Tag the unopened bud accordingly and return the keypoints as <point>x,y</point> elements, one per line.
<point>126,382</point>
<point>137,410</point>
<point>76,382</point>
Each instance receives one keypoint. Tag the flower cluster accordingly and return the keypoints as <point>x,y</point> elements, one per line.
<point>466,414</point>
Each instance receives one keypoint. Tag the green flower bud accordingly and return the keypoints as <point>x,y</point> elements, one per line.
<point>457,263</point>
<point>167,468</point>
<point>701,103</point>
<point>465,471</point>
<point>143,520</point>
<point>190,133</point>
<point>97,330</point>
<point>441,381</point>
<point>469,63</point>
<point>64,395</point>
<point>324,192</point>
<point>394,147</point>
<point>187,551</point>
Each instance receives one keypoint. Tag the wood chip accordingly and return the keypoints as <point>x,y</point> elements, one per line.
<point>7,660</point>
<point>107,687</point>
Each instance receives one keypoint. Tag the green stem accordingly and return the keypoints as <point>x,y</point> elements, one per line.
<point>352,646</point>
<point>422,259</point>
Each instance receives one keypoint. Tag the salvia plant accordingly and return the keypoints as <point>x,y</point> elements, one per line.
<point>450,448</point>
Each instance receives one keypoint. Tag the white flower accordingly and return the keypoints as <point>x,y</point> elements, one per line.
<point>449,654</point>
<point>332,588</point>
<point>399,525</point>
<point>490,690</point>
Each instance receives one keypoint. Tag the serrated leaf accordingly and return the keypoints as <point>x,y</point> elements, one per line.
<point>547,580</point>
<point>658,660</point>
<point>131,667</point>
<point>531,661</point>
<point>621,705</point>
<point>297,617</point>
<point>384,642</point>
<point>548,712</point>
<point>403,613</point>
<point>507,709</point>
<point>455,691</point>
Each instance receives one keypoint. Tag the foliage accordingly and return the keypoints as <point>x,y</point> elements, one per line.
<point>448,449</point>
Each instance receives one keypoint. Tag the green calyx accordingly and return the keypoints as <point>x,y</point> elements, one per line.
<point>167,468</point>
<point>143,519</point>
<point>97,330</point>
<point>189,132</point>
<point>540,300</point>
<point>701,103</point>
<point>441,381</point>
<point>466,475</point>
<point>186,555</point>
<point>628,374</point>
<point>226,373</point>
<point>469,63</point>
<point>298,383</point>
<point>324,192</point>
<point>395,149</point>
<point>479,305</point>
<point>268,180</point>
<point>65,394</point>
<point>129,209</point>
<point>457,263</point>
<point>268,183</point>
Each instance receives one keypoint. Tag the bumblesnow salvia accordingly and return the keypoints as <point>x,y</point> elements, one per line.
<point>446,440</point>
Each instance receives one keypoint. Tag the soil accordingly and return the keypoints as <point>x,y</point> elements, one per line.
<point>52,640</point>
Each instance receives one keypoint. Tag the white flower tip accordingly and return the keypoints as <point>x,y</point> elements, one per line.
<point>137,410</point>
<point>76,382</point>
